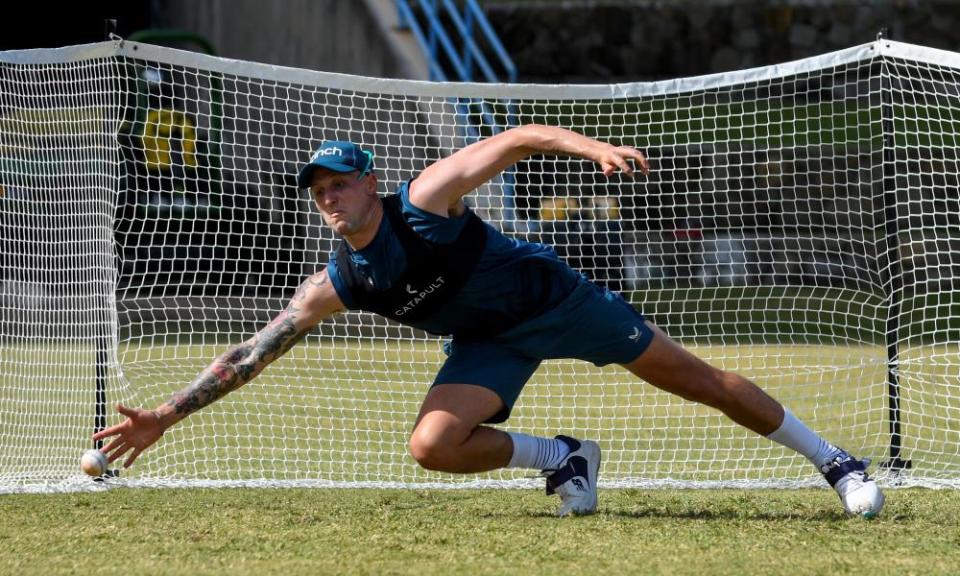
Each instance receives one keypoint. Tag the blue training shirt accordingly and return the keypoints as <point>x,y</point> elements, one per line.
<point>514,278</point>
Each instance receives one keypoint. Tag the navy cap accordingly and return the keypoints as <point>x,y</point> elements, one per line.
<point>338,156</point>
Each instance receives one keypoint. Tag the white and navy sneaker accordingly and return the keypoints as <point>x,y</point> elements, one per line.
<point>575,480</point>
<point>859,493</point>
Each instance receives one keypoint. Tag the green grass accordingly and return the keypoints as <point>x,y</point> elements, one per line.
<point>341,410</point>
<point>473,532</point>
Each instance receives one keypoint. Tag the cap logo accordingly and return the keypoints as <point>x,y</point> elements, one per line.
<point>337,156</point>
<point>328,152</point>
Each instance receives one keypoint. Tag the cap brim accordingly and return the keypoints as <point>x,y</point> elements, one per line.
<point>306,173</point>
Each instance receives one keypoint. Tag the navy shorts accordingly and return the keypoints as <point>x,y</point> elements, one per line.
<point>591,324</point>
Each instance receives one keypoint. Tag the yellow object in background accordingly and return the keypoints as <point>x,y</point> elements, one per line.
<point>605,208</point>
<point>553,209</point>
<point>160,129</point>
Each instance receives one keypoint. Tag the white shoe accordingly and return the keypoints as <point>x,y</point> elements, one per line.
<point>859,493</point>
<point>575,480</point>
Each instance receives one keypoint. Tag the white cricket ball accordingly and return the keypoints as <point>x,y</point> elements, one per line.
<point>93,463</point>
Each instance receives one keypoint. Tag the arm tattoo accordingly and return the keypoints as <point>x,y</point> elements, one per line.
<point>241,363</point>
<point>311,282</point>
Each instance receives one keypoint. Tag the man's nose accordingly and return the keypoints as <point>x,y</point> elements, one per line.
<point>330,197</point>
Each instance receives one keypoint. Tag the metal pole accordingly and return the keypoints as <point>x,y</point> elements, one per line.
<point>891,243</point>
<point>100,379</point>
<point>103,343</point>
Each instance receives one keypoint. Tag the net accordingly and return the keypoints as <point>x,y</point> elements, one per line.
<point>799,227</point>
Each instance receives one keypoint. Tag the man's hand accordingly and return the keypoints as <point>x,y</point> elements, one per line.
<point>138,432</point>
<point>612,158</point>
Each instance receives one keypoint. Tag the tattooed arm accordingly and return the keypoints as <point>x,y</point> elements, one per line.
<point>314,301</point>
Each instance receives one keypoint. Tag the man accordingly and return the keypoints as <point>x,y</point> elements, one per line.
<point>424,259</point>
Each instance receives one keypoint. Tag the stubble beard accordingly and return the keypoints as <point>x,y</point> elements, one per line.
<point>347,225</point>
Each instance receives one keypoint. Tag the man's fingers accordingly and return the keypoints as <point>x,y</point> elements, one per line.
<point>627,160</point>
<point>111,431</point>
<point>638,157</point>
<point>117,428</point>
<point>133,457</point>
<point>119,452</point>
<point>128,412</point>
<point>642,161</point>
<point>112,445</point>
<point>623,165</point>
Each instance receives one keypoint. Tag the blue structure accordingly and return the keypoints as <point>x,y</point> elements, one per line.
<point>439,27</point>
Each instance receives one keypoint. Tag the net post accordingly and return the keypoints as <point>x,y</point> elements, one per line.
<point>109,28</point>
<point>100,378</point>
<point>891,244</point>
<point>100,403</point>
<point>100,375</point>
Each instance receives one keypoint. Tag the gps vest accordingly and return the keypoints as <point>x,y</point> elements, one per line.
<point>434,273</point>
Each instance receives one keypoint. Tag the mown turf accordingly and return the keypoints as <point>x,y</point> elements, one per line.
<point>269,531</point>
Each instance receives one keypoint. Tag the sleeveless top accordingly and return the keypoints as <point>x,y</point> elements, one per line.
<point>448,275</point>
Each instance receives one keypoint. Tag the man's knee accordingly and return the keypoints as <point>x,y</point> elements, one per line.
<point>434,450</point>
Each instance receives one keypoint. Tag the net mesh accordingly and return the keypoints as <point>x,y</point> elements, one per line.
<point>798,227</point>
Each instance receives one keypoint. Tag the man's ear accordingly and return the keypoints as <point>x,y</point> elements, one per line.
<point>371,183</point>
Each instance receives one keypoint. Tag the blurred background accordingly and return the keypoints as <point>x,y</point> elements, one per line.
<point>552,41</point>
<point>715,214</point>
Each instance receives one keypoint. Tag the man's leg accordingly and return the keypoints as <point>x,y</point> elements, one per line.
<point>668,366</point>
<point>449,437</point>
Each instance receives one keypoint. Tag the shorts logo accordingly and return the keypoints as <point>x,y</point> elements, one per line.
<point>636,334</point>
<point>579,484</point>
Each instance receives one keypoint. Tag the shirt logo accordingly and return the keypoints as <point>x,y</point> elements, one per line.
<point>418,296</point>
<point>636,334</point>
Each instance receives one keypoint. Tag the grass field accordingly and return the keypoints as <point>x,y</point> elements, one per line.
<point>341,410</point>
<point>244,531</point>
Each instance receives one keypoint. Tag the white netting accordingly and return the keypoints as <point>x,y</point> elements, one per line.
<point>150,218</point>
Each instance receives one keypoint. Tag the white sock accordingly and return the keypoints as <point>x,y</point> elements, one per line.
<point>537,453</point>
<point>794,434</point>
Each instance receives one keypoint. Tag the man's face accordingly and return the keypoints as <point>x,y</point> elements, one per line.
<point>344,200</point>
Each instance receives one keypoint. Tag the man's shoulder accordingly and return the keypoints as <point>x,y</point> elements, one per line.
<point>430,226</point>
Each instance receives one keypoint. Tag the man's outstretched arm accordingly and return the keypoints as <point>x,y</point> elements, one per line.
<point>314,301</point>
<point>441,185</point>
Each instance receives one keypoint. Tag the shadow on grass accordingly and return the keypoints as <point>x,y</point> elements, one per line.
<point>708,514</point>
<point>726,515</point>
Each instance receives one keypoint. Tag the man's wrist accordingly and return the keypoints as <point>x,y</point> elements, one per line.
<point>165,417</point>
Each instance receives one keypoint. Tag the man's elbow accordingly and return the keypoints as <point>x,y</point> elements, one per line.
<point>531,138</point>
